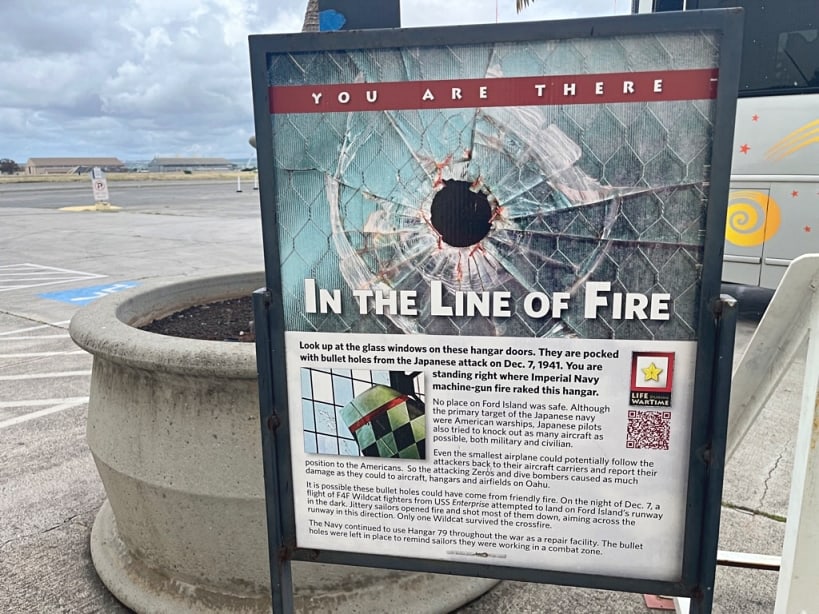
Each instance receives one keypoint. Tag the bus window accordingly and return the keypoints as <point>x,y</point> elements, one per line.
<point>797,58</point>
<point>661,6</point>
<point>773,208</point>
<point>780,47</point>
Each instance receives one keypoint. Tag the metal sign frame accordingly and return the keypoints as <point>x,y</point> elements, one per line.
<point>716,316</point>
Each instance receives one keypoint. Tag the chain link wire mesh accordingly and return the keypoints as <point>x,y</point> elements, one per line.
<point>612,192</point>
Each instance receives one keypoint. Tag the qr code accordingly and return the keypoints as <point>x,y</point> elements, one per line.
<point>648,430</point>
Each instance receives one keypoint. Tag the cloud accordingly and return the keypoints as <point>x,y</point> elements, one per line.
<point>136,78</point>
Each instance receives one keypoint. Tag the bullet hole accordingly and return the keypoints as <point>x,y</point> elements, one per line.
<point>460,215</point>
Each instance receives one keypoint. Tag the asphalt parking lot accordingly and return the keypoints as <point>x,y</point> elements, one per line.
<point>53,261</point>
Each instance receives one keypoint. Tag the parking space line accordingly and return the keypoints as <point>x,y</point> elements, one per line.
<point>25,376</point>
<point>32,275</point>
<point>34,268</point>
<point>43,412</point>
<point>41,354</point>
<point>41,402</point>
<point>30,328</point>
<point>35,337</point>
<point>49,282</point>
<point>28,275</point>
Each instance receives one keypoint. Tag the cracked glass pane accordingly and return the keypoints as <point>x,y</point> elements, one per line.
<point>519,199</point>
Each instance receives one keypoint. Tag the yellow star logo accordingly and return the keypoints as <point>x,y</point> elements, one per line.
<point>652,372</point>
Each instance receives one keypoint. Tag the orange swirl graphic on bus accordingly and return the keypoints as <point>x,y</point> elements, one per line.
<point>796,140</point>
<point>753,218</point>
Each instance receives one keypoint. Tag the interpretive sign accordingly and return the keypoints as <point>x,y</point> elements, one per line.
<point>494,264</point>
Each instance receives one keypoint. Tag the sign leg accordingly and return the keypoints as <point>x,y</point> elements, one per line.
<point>726,314</point>
<point>281,581</point>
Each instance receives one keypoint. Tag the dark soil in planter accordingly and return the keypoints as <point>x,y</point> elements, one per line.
<point>230,320</point>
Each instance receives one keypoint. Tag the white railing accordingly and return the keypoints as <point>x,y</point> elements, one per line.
<point>792,318</point>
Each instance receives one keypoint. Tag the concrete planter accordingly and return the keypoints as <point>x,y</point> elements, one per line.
<point>173,429</point>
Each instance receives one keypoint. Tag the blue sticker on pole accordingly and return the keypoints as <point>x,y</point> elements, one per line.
<point>337,15</point>
<point>331,21</point>
<point>89,294</point>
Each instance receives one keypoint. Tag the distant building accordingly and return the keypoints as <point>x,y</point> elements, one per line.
<point>167,165</point>
<point>70,166</point>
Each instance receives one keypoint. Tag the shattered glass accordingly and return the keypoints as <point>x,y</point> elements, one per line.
<point>557,195</point>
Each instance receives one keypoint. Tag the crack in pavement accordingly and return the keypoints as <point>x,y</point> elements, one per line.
<point>765,483</point>
<point>66,522</point>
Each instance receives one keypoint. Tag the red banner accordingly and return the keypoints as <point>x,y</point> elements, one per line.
<point>653,86</point>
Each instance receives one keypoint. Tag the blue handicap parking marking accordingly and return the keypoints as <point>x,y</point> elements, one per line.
<point>89,294</point>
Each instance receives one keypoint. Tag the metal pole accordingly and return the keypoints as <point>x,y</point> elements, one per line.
<point>281,581</point>
<point>726,314</point>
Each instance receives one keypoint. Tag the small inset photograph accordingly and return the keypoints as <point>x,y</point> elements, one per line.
<point>353,412</point>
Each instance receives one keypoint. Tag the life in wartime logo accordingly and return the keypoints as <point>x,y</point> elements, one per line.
<point>651,378</point>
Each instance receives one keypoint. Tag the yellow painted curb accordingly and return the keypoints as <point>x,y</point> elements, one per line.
<point>97,207</point>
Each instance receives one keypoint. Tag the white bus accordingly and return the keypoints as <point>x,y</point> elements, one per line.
<point>773,211</point>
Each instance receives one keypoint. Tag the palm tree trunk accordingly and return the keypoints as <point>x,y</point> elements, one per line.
<point>311,19</point>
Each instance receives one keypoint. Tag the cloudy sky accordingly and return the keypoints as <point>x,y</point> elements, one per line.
<point>141,78</point>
